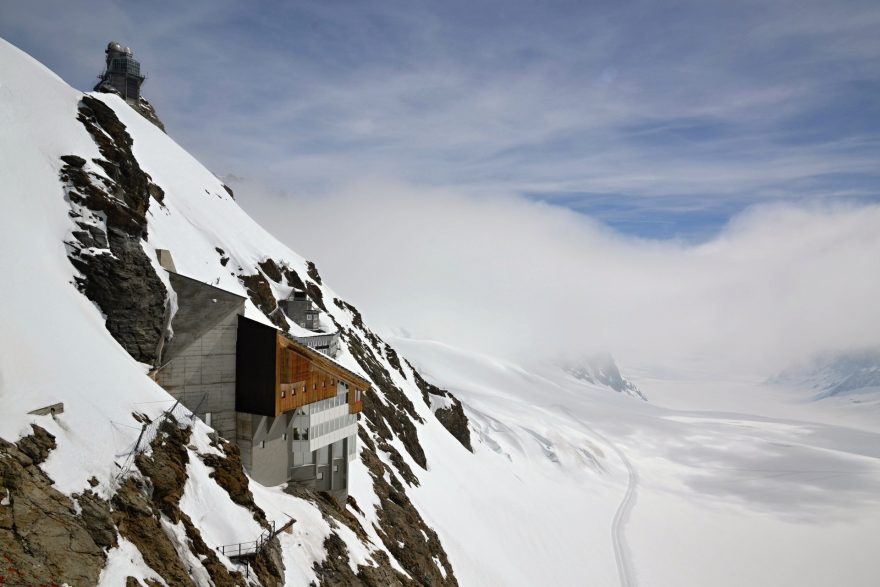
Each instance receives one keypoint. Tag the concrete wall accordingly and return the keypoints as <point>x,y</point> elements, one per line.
<point>202,375</point>
<point>270,454</point>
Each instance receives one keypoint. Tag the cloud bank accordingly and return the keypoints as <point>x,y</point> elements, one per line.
<point>509,275</point>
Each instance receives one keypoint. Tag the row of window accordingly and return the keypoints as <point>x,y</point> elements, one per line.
<point>331,425</point>
<point>124,65</point>
<point>324,404</point>
<point>303,388</point>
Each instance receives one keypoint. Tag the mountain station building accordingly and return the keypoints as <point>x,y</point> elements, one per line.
<point>291,408</point>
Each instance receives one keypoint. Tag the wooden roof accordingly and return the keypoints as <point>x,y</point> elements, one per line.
<point>324,362</point>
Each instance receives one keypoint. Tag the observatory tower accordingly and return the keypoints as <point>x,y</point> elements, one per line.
<point>122,74</point>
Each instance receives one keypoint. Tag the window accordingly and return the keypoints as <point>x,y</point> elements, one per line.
<point>262,444</point>
<point>284,436</point>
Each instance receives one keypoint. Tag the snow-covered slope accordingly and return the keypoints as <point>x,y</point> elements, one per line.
<point>55,347</point>
<point>674,496</point>
<point>566,483</point>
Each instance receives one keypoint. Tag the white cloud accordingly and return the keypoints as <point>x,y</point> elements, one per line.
<point>512,276</point>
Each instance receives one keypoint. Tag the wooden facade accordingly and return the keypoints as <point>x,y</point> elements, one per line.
<point>276,374</point>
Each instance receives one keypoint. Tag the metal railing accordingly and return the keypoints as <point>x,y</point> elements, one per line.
<point>253,547</point>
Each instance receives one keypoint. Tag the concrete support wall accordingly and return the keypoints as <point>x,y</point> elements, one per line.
<point>270,454</point>
<point>202,375</point>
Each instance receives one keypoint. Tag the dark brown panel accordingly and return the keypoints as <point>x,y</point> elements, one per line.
<point>255,368</point>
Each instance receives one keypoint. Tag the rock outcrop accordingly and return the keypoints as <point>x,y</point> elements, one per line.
<point>229,474</point>
<point>452,415</point>
<point>43,541</point>
<point>109,213</point>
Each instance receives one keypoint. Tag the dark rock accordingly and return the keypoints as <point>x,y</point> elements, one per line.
<point>145,109</point>
<point>229,474</point>
<point>316,295</point>
<point>91,236</point>
<point>268,565</point>
<point>165,467</point>
<point>38,445</point>
<point>403,530</point>
<point>220,575</point>
<point>224,259</point>
<point>156,193</point>
<point>312,272</point>
<point>95,513</point>
<point>229,191</point>
<point>392,357</point>
<point>353,504</point>
<point>42,539</point>
<point>133,515</point>
<point>128,291</point>
<point>74,161</point>
<point>271,269</point>
<point>293,278</point>
<point>260,292</point>
<point>335,569</point>
<point>124,285</point>
<point>398,414</point>
<point>452,417</point>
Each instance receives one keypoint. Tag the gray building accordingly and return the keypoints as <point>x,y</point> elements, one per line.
<point>290,407</point>
<point>326,343</point>
<point>301,310</point>
<point>122,73</point>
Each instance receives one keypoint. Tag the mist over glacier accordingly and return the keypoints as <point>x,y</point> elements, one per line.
<point>505,274</point>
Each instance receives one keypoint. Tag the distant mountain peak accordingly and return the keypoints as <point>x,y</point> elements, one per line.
<point>600,369</point>
<point>834,374</point>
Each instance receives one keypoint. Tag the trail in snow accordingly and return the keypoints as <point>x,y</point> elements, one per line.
<point>621,517</point>
<point>622,557</point>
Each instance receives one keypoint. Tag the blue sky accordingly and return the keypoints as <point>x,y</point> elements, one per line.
<point>661,119</point>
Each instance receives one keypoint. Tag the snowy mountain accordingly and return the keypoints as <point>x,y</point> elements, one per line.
<point>91,190</point>
<point>471,469</point>
<point>602,370</point>
<point>838,374</point>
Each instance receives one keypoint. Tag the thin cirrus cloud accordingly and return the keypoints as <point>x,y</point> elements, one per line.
<point>694,111</point>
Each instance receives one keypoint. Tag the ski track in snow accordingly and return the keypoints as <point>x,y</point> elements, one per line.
<point>621,517</point>
<point>622,557</point>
